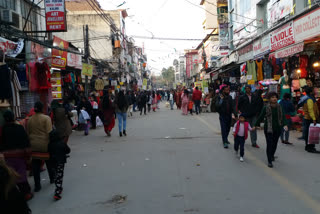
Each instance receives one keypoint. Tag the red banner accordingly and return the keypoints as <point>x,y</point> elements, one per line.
<point>55,15</point>
<point>59,58</point>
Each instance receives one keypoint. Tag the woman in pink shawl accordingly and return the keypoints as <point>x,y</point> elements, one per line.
<point>185,101</point>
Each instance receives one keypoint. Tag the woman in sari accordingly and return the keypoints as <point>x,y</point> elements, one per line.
<point>107,113</point>
<point>154,101</point>
<point>185,102</point>
<point>178,99</point>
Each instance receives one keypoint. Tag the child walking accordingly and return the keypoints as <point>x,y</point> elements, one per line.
<point>58,156</point>
<point>240,132</point>
<point>190,104</point>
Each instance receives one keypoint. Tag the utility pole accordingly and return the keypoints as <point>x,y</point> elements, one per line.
<point>86,56</point>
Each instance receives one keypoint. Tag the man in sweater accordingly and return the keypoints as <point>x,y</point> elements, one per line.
<point>225,107</point>
<point>196,97</point>
<point>249,105</point>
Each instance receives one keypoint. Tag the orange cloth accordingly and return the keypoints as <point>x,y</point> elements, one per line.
<point>259,70</point>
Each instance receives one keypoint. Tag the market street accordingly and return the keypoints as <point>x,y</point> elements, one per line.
<point>171,164</point>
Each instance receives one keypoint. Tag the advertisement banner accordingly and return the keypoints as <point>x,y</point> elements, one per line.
<point>223,36</point>
<point>280,10</point>
<point>59,58</point>
<point>10,48</point>
<point>74,60</point>
<point>261,46</point>
<point>188,65</point>
<point>56,85</point>
<point>55,15</point>
<point>307,26</point>
<point>282,37</point>
<point>289,51</point>
<point>87,70</point>
<point>205,86</point>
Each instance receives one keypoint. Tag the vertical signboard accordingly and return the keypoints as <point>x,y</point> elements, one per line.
<point>188,65</point>
<point>55,15</point>
<point>59,58</point>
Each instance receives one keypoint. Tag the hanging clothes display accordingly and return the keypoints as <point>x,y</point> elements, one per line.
<point>22,75</point>
<point>16,88</point>
<point>43,76</point>
<point>267,68</point>
<point>32,76</point>
<point>251,71</point>
<point>303,66</point>
<point>275,66</point>
<point>5,86</point>
<point>259,63</point>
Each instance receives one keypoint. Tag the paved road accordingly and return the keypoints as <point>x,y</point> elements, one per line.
<point>174,164</point>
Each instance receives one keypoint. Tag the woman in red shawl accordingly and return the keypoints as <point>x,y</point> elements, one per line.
<point>106,111</point>
<point>178,99</point>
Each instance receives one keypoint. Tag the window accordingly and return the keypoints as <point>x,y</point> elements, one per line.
<point>32,20</point>
<point>245,5</point>
<point>8,4</point>
<point>222,10</point>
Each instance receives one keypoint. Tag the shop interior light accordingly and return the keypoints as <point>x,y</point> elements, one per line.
<point>316,64</point>
<point>299,71</point>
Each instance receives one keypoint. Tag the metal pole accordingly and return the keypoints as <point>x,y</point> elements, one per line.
<point>86,56</point>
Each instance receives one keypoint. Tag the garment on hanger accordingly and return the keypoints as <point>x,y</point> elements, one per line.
<point>276,67</point>
<point>16,88</point>
<point>251,70</point>
<point>5,86</point>
<point>32,76</point>
<point>259,63</point>
<point>22,75</point>
<point>267,68</point>
<point>303,65</point>
<point>43,73</point>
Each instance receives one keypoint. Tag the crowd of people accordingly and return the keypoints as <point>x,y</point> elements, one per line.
<point>275,114</point>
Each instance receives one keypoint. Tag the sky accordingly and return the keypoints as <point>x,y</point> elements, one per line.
<point>162,18</point>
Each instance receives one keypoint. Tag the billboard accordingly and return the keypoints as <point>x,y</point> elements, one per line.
<point>59,58</point>
<point>55,15</point>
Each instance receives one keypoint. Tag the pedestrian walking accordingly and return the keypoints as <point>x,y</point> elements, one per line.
<point>190,105</point>
<point>143,103</point>
<point>196,97</point>
<point>311,114</point>
<point>158,100</point>
<point>289,111</point>
<point>121,106</point>
<point>38,129</point>
<point>94,111</point>
<point>128,97</point>
<point>15,147</point>
<point>185,101</point>
<point>134,101</point>
<point>60,118</point>
<point>12,200</point>
<point>225,107</point>
<point>149,103</point>
<point>171,99</point>
<point>84,120</point>
<point>274,122</point>
<point>240,133</point>
<point>154,101</point>
<point>58,151</point>
<point>249,105</point>
<point>178,99</point>
<point>106,110</point>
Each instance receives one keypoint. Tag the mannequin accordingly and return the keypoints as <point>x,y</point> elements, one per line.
<point>284,83</point>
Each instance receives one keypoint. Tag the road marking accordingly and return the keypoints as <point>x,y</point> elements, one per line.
<point>299,193</point>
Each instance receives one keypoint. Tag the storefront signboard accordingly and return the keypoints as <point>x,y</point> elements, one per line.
<point>280,9</point>
<point>261,46</point>
<point>59,58</point>
<point>282,37</point>
<point>205,86</point>
<point>198,84</point>
<point>289,51</point>
<point>56,85</point>
<point>74,60</point>
<point>188,65</point>
<point>307,26</point>
<point>87,70</point>
<point>10,48</point>
<point>55,15</point>
<point>246,53</point>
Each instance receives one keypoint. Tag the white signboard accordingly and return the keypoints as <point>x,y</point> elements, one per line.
<point>10,48</point>
<point>282,37</point>
<point>261,46</point>
<point>289,51</point>
<point>307,26</point>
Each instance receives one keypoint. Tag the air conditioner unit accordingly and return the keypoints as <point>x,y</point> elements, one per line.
<point>11,17</point>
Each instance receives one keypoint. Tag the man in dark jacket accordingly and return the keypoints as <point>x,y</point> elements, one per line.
<point>250,105</point>
<point>225,106</point>
<point>143,103</point>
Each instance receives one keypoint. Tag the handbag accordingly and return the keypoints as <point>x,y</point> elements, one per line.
<point>314,134</point>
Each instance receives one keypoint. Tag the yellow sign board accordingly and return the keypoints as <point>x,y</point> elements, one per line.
<point>276,77</point>
<point>87,69</point>
<point>251,82</point>
<point>121,83</point>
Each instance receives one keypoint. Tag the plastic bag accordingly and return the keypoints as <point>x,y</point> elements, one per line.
<point>314,134</point>
<point>99,122</point>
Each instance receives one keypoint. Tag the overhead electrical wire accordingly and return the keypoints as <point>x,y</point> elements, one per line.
<point>165,38</point>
